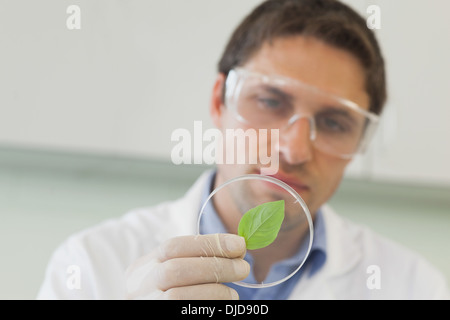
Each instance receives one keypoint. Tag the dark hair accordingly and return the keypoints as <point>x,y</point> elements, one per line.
<point>328,20</point>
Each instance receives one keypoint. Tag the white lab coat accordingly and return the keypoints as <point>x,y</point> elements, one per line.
<point>91,264</point>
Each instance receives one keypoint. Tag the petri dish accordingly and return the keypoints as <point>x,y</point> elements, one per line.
<point>240,194</point>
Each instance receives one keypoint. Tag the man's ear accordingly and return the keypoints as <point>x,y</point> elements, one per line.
<point>217,106</point>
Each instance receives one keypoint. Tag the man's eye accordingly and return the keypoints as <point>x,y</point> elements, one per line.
<point>330,124</point>
<point>269,103</point>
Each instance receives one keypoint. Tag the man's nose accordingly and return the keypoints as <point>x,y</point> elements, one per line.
<point>295,141</point>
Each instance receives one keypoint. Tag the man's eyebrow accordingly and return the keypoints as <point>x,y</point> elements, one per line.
<point>274,90</point>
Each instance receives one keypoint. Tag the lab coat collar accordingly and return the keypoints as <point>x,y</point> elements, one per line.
<point>344,254</point>
<point>344,249</point>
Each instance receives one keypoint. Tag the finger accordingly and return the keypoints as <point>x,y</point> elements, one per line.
<point>138,278</point>
<point>209,245</point>
<point>181,272</point>
<point>209,291</point>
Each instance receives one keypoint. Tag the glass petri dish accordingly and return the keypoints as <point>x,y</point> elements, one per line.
<point>296,232</point>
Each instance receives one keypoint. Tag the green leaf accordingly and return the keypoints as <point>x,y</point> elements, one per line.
<point>260,225</point>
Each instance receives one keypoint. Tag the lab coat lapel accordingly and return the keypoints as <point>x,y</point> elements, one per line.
<point>344,252</point>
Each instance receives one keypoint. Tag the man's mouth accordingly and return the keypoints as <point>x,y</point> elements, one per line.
<point>292,181</point>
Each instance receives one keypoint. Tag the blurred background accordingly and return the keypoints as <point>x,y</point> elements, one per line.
<point>86,117</point>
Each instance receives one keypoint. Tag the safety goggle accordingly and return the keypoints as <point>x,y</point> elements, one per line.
<point>337,126</point>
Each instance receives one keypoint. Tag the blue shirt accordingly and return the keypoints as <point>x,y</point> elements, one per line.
<point>211,223</point>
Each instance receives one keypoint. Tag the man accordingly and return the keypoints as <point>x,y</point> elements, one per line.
<point>312,70</point>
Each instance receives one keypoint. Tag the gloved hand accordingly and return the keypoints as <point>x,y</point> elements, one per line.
<point>190,267</point>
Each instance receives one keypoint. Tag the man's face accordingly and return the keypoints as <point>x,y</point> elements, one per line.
<point>313,174</point>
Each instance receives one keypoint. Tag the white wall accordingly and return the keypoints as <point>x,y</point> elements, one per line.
<point>134,72</point>
<point>413,141</point>
<point>137,70</point>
